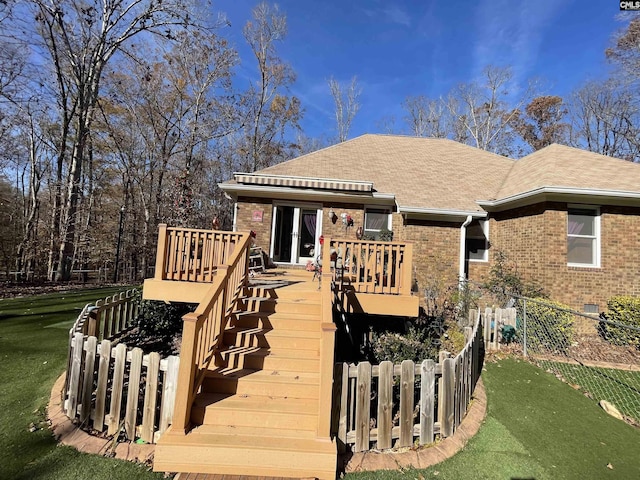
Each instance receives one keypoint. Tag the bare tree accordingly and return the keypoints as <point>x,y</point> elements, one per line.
<point>80,38</point>
<point>606,120</point>
<point>268,111</point>
<point>483,114</point>
<point>345,98</point>
<point>625,51</point>
<point>426,117</point>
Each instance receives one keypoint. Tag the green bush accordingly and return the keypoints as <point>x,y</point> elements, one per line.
<point>549,326</point>
<point>624,310</point>
<point>415,345</point>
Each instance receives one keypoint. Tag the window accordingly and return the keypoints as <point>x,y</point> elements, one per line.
<point>583,237</point>
<point>477,240</point>
<point>377,224</point>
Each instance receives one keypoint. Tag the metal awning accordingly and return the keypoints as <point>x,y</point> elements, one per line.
<point>304,182</point>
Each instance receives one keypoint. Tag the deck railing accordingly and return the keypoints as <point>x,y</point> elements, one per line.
<point>374,267</point>
<point>188,254</point>
<point>203,329</point>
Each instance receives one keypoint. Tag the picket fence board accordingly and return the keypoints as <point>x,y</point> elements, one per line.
<point>135,371</point>
<point>101,391</point>
<point>148,417</point>
<point>87,384</point>
<point>407,381</point>
<point>427,399</point>
<point>113,421</point>
<point>385,404</point>
<point>363,407</point>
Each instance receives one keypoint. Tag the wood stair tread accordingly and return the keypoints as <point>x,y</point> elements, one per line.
<point>273,332</point>
<point>300,406</point>
<point>257,431</point>
<point>275,376</point>
<point>254,442</point>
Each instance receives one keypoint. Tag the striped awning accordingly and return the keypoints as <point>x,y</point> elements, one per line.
<point>304,182</point>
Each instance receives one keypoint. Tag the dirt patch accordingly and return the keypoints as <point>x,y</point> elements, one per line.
<point>13,290</point>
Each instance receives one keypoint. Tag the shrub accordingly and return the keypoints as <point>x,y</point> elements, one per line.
<point>549,326</point>
<point>504,281</point>
<point>415,345</point>
<point>624,310</point>
<point>159,323</point>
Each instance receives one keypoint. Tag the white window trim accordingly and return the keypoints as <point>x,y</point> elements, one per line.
<point>377,207</point>
<point>485,229</point>
<point>596,236</point>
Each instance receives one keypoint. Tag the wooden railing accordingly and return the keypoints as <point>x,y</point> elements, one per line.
<point>327,346</point>
<point>440,409</point>
<point>203,329</point>
<point>374,267</point>
<point>187,254</point>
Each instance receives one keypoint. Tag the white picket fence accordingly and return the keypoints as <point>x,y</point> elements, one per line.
<point>433,398</point>
<point>109,386</point>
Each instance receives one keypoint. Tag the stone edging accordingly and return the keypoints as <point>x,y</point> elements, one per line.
<point>68,433</point>
<point>424,457</point>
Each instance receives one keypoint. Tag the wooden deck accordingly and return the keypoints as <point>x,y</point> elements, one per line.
<point>254,390</point>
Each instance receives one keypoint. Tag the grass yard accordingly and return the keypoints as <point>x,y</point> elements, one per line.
<point>33,342</point>
<point>536,428</point>
<point>620,387</point>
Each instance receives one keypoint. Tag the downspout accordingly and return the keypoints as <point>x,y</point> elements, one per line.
<point>235,217</point>
<point>463,241</point>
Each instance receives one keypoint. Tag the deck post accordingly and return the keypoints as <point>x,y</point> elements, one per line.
<point>161,255</point>
<point>327,344</point>
<point>186,375</point>
<point>407,263</point>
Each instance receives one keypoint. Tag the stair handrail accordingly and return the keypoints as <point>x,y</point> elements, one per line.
<point>327,346</point>
<point>204,328</point>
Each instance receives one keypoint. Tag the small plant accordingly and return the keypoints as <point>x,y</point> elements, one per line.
<point>624,310</point>
<point>505,281</point>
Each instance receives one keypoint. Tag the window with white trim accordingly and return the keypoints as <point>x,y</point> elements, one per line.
<point>583,237</point>
<point>377,222</point>
<point>477,241</point>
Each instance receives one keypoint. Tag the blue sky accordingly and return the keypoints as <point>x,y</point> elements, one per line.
<point>400,48</point>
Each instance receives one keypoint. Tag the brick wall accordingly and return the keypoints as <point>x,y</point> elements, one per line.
<point>533,237</point>
<point>244,219</point>
<point>535,240</point>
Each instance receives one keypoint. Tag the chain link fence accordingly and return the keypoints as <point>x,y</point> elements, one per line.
<point>599,357</point>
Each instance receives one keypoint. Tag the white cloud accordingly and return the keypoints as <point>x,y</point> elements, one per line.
<point>390,14</point>
<point>511,34</point>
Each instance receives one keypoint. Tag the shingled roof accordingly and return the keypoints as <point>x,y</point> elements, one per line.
<point>420,172</point>
<point>440,174</point>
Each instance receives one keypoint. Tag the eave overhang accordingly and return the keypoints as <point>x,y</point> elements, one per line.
<point>562,194</point>
<point>439,214</point>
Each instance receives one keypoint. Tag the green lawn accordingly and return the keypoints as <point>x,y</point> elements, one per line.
<point>537,428</point>
<point>620,387</point>
<point>33,342</point>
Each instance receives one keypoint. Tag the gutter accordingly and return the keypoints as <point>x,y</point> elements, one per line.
<point>463,242</point>
<point>439,213</point>
<point>527,198</point>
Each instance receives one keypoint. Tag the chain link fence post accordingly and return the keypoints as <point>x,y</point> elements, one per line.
<point>524,326</point>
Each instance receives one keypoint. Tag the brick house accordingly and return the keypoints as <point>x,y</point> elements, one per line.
<point>569,219</point>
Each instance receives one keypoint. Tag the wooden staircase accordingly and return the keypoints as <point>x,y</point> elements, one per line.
<point>257,410</point>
